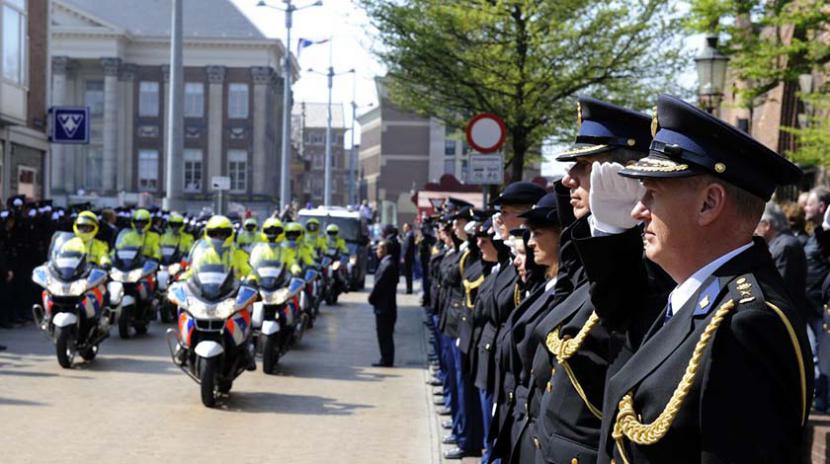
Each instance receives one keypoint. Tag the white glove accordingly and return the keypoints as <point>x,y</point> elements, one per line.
<point>825,225</point>
<point>612,198</point>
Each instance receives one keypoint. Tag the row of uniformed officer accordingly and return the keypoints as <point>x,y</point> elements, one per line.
<point>666,334</point>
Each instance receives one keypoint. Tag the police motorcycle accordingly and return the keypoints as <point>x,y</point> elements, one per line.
<point>132,284</point>
<point>277,320</point>
<point>212,343</point>
<point>172,265</point>
<point>335,278</point>
<point>73,314</point>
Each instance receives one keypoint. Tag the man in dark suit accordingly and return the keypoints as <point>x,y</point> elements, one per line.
<point>723,373</point>
<point>408,252</point>
<point>382,298</point>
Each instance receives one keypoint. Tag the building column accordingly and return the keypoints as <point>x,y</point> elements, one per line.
<point>124,173</point>
<point>261,76</point>
<point>111,105</point>
<point>57,177</point>
<point>216,112</point>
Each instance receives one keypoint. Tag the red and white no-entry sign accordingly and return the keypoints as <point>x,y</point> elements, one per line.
<point>486,133</point>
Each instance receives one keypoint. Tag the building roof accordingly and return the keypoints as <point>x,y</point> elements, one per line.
<point>316,114</point>
<point>151,18</point>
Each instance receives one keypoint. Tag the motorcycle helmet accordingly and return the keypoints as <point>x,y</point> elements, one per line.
<point>219,230</point>
<point>332,229</point>
<point>175,222</point>
<point>250,224</point>
<point>86,226</point>
<point>293,231</point>
<point>141,220</point>
<point>272,229</point>
<point>313,225</point>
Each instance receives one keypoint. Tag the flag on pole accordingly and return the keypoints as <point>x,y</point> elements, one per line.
<point>303,43</point>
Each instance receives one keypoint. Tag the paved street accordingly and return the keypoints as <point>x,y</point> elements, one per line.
<point>132,405</point>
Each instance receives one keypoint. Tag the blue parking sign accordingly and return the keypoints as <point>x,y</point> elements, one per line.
<point>70,124</point>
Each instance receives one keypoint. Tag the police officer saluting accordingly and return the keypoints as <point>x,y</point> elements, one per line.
<point>724,373</point>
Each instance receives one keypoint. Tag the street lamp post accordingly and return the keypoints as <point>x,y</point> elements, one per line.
<point>285,191</point>
<point>330,75</point>
<point>711,74</point>
<point>353,157</point>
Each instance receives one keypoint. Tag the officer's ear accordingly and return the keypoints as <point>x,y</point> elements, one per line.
<point>712,202</point>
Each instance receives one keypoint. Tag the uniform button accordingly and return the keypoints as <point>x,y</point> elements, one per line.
<point>613,461</point>
<point>536,443</point>
<point>549,387</point>
<point>574,461</point>
<point>487,347</point>
<point>531,371</point>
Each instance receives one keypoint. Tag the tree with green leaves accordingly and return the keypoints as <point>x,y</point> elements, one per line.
<point>525,60</point>
<point>772,43</point>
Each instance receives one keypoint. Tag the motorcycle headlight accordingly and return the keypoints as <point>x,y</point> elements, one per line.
<point>117,275</point>
<point>135,275</point>
<point>225,309</point>
<point>174,269</point>
<point>116,291</point>
<point>336,265</point>
<point>353,260</point>
<point>78,287</point>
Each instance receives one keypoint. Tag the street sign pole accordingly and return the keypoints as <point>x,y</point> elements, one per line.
<point>486,133</point>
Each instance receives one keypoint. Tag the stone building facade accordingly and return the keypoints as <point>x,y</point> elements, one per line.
<point>113,57</point>
<point>24,148</point>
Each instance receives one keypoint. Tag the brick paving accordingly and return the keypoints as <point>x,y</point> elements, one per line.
<point>132,405</point>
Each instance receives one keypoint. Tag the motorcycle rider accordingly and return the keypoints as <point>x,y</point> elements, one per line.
<point>141,235</point>
<point>272,236</point>
<point>219,233</point>
<point>335,241</point>
<point>86,228</point>
<point>314,237</point>
<point>296,246</point>
<point>248,235</point>
<point>174,234</point>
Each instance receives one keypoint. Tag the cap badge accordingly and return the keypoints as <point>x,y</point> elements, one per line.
<point>631,142</point>
<point>720,168</point>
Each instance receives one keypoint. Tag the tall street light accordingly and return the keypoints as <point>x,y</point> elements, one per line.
<point>330,75</point>
<point>711,74</point>
<point>285,191</point>
<point>353,154</point>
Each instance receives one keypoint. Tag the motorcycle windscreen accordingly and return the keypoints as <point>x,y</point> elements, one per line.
<point>212,273</point>
<point>67,258</point>
<point>128,245</point>
<point>295,285</point>
<point>170,254</point>
<point>271,274</point>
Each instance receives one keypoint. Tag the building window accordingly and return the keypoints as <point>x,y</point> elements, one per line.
<point>192,170</point>
<point>317,187</point>
<point>148,98</point>
<point>194,99</point>
<point>238,101</point>
<point>449,166</point>
<point>317,161</point>
<point>238,170</point>
<point>148,170</point>
<point>93,167</point>
<point>315,138</point>
<point>449,147</point>
<point>14,41</point>
<point>94,97</point>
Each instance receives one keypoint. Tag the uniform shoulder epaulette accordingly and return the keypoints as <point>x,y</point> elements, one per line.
<point>745,290</point>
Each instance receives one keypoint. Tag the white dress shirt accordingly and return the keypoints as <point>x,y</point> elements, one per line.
<point>681,294</point>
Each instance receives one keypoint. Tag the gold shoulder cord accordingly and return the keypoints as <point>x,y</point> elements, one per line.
<point>627,425</point>
<point>517,294</point>
<point>564,348</point>
<point>469,286</point>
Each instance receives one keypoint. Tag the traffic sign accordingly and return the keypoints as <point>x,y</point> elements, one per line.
<point>485,169</point>
<point>486,133</point>
<point>69,124</point>
<point>220,183</point>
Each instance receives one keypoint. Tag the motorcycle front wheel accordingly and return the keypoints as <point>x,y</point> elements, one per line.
<point>270,354</point>
<point>207,379</point>
<point>124,322</point>
<point>65,346</point>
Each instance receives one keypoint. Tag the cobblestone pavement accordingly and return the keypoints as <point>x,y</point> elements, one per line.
<point>132,405</point>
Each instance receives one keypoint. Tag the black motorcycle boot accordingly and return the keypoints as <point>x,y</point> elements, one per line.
<point>250,357</point>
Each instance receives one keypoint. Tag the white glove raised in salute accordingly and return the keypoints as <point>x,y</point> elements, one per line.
<point>612,198</point>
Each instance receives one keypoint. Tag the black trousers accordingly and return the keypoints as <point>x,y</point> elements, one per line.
<point>408,266</point>
<point>385,324</point>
